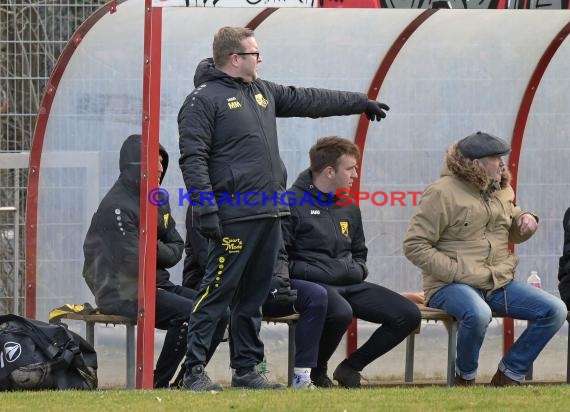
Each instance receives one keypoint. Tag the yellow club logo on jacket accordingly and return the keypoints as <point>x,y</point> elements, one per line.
<point>262,101</point>
<point>165,218</point>
<point>344,228</point>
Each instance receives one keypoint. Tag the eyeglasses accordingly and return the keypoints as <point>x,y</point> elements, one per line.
<point>256,54</point>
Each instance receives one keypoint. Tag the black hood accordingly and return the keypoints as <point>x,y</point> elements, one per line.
<point>130,159</point>
<point>206,71</point>
<point>305,183</point>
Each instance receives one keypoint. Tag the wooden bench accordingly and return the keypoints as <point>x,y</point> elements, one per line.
<point>451,326</point>
<point>91,320</point>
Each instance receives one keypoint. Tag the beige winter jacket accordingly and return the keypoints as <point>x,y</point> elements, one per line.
<point>462,227</point>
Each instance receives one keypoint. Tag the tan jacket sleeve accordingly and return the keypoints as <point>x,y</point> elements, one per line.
<point>426,226</point>
<point>514,234</point>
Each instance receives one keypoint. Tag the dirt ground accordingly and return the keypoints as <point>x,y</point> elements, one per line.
<point>430,356</point>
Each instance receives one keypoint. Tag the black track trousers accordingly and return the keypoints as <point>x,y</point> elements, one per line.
<point>238,274</point>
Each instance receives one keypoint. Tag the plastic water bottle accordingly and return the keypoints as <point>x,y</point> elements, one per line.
<point>534,279</point>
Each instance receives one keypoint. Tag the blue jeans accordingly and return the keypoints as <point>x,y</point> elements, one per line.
<point>473,309</point>
<point>311,305</point>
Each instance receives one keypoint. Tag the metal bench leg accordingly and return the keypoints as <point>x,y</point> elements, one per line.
<point>130,356</point>
<point>291,353</point>
<point>90,333</point>
<point>451,352</point>
<point>410,348</point>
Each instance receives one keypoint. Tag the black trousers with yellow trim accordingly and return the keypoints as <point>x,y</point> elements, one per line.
<point>238,275</point>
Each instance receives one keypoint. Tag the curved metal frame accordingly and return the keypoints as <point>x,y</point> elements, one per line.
<point>362,128</point>
<point>360,135</point>
<point>37,148</point>
<point>517,141</point>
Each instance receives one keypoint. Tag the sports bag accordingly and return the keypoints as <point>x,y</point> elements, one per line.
<point>35,355</point>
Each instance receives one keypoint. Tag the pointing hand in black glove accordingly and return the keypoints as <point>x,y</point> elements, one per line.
<point>280,291</point>
<point>209,226</point>
<point>375,110</point>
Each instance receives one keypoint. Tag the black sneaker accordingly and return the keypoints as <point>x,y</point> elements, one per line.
<point>321,380</point>
<point>346,376</point>
<point>196,379</point>
<point>254,380</point>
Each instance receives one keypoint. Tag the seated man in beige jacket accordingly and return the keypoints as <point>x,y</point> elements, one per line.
<point>459,238</point>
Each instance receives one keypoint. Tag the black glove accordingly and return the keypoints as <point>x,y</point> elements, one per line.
<point>375,110</point>
<point>209,226</point>
<point>281,292</point>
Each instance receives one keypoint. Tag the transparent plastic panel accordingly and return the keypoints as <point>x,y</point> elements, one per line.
<point>328,48</point>
<point>98,103</point>
<point>186,40</point>
<point>544,170</point>
<point>461,71</point>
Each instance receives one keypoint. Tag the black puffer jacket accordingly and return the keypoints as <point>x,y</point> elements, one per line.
<point>324,240</point>
<point>564,264</point>
<point>112,242</point>
<point>228,138</point>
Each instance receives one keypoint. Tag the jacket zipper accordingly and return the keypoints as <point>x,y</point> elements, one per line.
<point>251,99</point>
<point>338,235</point>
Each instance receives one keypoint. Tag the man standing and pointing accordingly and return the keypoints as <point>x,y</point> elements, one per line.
<point>228,146</point>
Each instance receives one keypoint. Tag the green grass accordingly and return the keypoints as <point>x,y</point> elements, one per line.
<point>530,398</point>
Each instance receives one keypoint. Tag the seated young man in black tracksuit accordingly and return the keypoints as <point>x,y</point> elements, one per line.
<point>325,244</point>
<point>286,297</point>
<point>111,261</point>
<point>564,263</point>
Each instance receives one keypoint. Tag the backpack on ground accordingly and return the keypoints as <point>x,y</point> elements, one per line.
<point>36,355</point>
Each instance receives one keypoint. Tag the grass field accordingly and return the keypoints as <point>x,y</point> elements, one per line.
<point>528,398</point>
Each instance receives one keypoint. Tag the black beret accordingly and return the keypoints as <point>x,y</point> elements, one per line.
<point>481,144</point>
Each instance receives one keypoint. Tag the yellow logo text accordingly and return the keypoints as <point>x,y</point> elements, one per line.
<point>234,245</point>
<point>233,103</point>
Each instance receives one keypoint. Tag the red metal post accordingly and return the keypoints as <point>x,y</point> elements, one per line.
<point>517,140</point>
<point>149,181</point>
<point>362,128</point>
<point>261,17</point>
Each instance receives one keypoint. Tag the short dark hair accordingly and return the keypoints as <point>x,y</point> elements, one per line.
<point>327,150</point>
<point>227,41</point>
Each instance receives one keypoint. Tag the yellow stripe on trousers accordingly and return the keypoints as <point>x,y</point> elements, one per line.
<point>201,299</point>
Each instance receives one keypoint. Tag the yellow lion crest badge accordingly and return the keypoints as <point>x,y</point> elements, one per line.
<point>262,101</point>
<point>344,228</point>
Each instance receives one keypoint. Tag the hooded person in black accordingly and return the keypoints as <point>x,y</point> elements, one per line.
<point>111,261</point>
<point>235,177</point>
